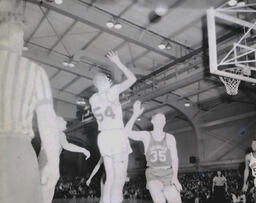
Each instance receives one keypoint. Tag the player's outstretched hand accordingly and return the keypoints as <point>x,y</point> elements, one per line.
<point>137,108</point>
<point>113,57</point>
<point>87,154</point>
<point>177,184</point>
<point>245,188</point>
<point>88,182</point>
<point>50,174</point>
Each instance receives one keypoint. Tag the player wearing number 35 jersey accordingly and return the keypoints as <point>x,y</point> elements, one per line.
<point>250,161</point>
<point>113,143</point>
<point>161,155</point>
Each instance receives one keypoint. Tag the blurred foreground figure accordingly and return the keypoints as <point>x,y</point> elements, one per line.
<point>161,156</point>
<point>250,162</point>
<point>113,143</point>
<point>48,190</point>
<point>24,89</point>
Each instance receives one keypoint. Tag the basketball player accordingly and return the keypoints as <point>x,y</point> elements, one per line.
<point>112,141</point>
<point>161,156</point>
<point>250,162</point>
<point>102,179</point>
<point>24,89</point>
<point>48,190</point>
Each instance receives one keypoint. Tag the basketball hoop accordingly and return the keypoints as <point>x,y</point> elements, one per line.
<point>231,84</point>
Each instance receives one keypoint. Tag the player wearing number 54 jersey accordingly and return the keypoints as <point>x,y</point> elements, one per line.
<point>161,155</point>
<point>250,162</point>
<point>112,141</point>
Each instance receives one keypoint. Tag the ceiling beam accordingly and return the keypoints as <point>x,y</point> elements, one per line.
<point>127,8</point>
<point>64,96</point>
<point>54,75</point>
<point>197,92</point>
<point>183,58</point>
<point>131,55</point>
<point>194,77</point>
<point>138,57</point>
<point>37,26</point>
<point>92,40</point>
<point>86,92</point>
<point>54,30</point>
<point>143,28</point>
<point>119,46</point>
<point>70,83</point>
<point>71,13</point>
<point>41,57</point>
<point>62,36</point>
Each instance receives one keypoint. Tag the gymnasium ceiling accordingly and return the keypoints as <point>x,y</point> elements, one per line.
<point>75,32</point>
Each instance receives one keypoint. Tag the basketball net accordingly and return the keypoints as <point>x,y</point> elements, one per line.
<point>231,84</point>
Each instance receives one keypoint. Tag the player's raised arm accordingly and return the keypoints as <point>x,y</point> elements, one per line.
<point>171,142</point>
<point>137,111</point>
<point>71,147</point>
<point>113,57</point>
<point>94,171</point>
<point>46,119</point>
<point>246,172</point>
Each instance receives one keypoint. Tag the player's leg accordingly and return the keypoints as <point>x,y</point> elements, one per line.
<point>108,163</point>
<point>172,194</point>
<point>49,188</point>
<point>101,190</point>
<point>120,162</point>
<point>254,194</point>
<point>48,191</point>
<point>156,190</point>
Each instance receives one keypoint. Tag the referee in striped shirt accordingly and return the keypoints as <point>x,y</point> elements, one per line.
<point>24,89</point>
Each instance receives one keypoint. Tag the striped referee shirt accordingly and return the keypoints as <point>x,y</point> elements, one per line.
<point>24,86</point>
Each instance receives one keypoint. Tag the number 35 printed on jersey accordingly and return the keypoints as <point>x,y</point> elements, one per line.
<point>158,155</point>
<point>101,115</point>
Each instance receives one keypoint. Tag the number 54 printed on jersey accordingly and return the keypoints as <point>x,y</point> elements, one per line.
<point>100,114</point>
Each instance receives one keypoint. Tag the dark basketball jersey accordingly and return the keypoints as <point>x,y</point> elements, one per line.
<point>158,154</point>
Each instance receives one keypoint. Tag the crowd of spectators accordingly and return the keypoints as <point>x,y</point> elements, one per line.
<point>197,187</point>
<point>68,188</point>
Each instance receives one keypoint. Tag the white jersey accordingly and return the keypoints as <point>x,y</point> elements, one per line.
<point>252,164</point>
<point>107,110</point>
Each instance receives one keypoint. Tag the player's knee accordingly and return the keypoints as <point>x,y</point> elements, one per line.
<point>118,198</point>
<point>172,195</point>
<point>109,178</point>
<point>159,200</point>
<point>119,182</point>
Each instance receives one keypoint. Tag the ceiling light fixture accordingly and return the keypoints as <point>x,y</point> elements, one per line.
<point>71,65</point>
<point>55,1</point>
<point>68,64</point>
<point>58,2</point>
<point>187,104</point>
<point>110,24</point>
<point>240,3</point>
<point>165,45</point>
<point>114,23</point>
<point>64,63</point>
<point>232,2</point>
<point>161,46</point>
<point>81,101</point>
<point>161,9</point>
<point>168,46</point>
<point>118,25</point>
